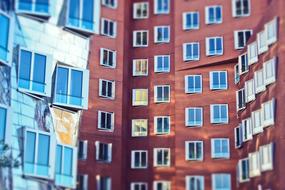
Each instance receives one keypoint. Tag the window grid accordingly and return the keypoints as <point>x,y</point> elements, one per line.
<point>162,125</point>
<point>191,51</point>
<point>190,20</point>
<point>220,148</point>
<point>162,93</point>
<point>219,113</point>
<point>214,46</point>
<point>194,150</point>
<point>162,34</point>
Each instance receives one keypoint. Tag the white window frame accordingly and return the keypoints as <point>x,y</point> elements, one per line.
<point>109,182</point>
<point>236,38</point>
<point>10,40</point>
<point>262,41</point>
<point>269,72</point>
<point>106,3</point>
<point>83,184</point>
<point>155,163</point>
<point>197,124</point>
<point>246,129</point>
<point>133,184</point>
<point>164,39</point>
<point>212,80</point>
<point>84,149</point>
<point>166,185</point>
<point>114,27</point>
<point>157,12</point>
<point>268,109</point>
<point>240,170</point>
<point>252,53</point>
<point>8,130</point>
<point>240,58</point>
<point>114,57</point>
<point>249,88</point>
<point>196,158</point>
<point>97,147</point>
<point>141,103</point>
<point>221,155</point>
<point>237,75</point>
<point>256,117</point>
<point>272,31</point>
<point>195,91</point>
<point>234,14</point>
<point>266,157</point>
<point>112,97</point>
<point>112,121</point>
<point>254,164</point>
<point>184,18</point>
<point>207,21</point>
<point>212,113</point>
<point>33,12</point>
<point>140,5</point>
<point>243,103</point>
<point>164,131</point>
<point>193,57</point>
<point>238,136</point>
<point>140,62</point>
<point>165,69</point>
<point>139,133</point>
<point>140,158</point>
<point>196,178</point>
<point>208,46</point>
<point>164,100</point>
<point>228,176</point>
<point>135,32</point>
<point>259,81</point>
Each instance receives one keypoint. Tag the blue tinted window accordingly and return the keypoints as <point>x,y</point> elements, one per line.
<point>76,87</point>
<point>219,80</point>
<point>25,5</point>
<point>25,69</point>
<point>218,14</point>
<point>88,14</point>
<point>194,117</point>
<point>74,13</point>
<point>219,113</point>
<point>30,152</point>
<point>162,6</point>
<point>62,85</point>
<point>3,118</point>
<point>195,20</point>
<point>212,46</point>
<point>38,83</point>
<point>211,14</point>
<point>67,162</point>
<point>4,32</point>
<point>58,161</point>
<point>194,84</point>
<point>42,6</point>
<point>43,155</point>
<point>219,45</point>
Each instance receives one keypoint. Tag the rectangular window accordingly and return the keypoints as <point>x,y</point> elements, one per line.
<point>161,125</point>
<point>241,8</point>
<point>190,20</point>
<point>139,159</point>
<point>238,136</point>
<point>272,30</point>
<point>254,164</point>
<point>162,63</point>
<point>108,57</point>
<point>194,150</point>
<point>259,81</point>
<point>194,182</point>
<point>269,71</point>
<point>139,127</point>
<point>268,113</point>
<point>162,34</point>
<point>110,3</point>
<point>220,148</point>
<point>103,182</point>
<point>108,28</point>
<point>266,157</point>
<point>5,38</point>
<point>219,113</point>
<point>193,84</point>
<point>161,157</point>
<point>191,51</point>
<point>214,46</point>
<point>194,117</point>
<point>140,67</point>
<point>34,7</point>
<point>221,181</point>
<point>71,87</point>
<point>3,123</point>
<point>65,167</point>
<point>249,90</point>
<point>262,42</point>
<point>140,10</point>
<point>219,80</point>
<point>214,14</point>
<point>140,97</point>
<point>103,151</point>
<point>80,15</point>
<point>161,6</point>
<point>106,89</point>
<point>140,38</point>
<point>241,38</point>
<point>237,74</point>
<point>246,129</point>
<point>138,186</point>
<point>243,63</point>
<point>257,123</point>
<point>106,120</point>
<point>82,149</point>
<point>37,154</point>
<point>252,53</point>
<point>161,185</point>
<point>240,99</point>
<point>243,170</point>
<point>161,93</point>
<point>82,182</point>
<point>34,73</point>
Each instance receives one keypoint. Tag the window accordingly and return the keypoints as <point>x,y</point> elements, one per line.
<point>241,38</point>
<point>34,73</point>
<point>37,160</point>
<point>71,87</point>
<point>80,15</point>
<point>162,34</point>
<point>106,120</point>
<point>140,10</point>
<point>140,67</point>
<point>214,46</point>
<point>103,151</point>
<point>82,182</point>
<point>161,93</point>
<point>262,42</point>
<point>3,123</point>
<point>194,116</point>
<point>219,113</point>
<point>140,97</point>
<point>191,51</point>
<point>194,182</point>
<point>82,149</point>
<point>238,136</point>
<point>249,90</point>
<point>272,29</point>
<point>266,157</point>
<point>268,113</point>
<point>219,80</point>
<point>108,58</point>
<point>243,170</point>
<point>252,53</point>
<point>139,127</point>
<point>65,167</point>
<point>241,8</point>
<point>103,182</point>
<point>140,38</point>
<point>237,75</point>
<point>214,15</point>
<point>243,63</point>
<point>161,157</point>
<point>106,89</point>
<point>220,148</point>
<point>190,20</point>
<point>108,28</point>
<point>193,84</point>
<point>5,38</point>
<point>246,129</point>
<point>161,6</point>
<point>139,159</point>
<point>161,185</point>
<point>221,181</point>
<point>257,122</point>
<point>110,3</point>
<point>240,99</point>
<point>138,186</point>
<point>259,81</point>
<point>34,7</point>
<point>194,150</point>
<point>162,125</point>
<point>269,71</point>
<point>162,63</point>
<point>254,164</point>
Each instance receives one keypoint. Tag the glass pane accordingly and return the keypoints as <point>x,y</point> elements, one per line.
<point>38,83</point>
<point>4,23</point>
<point>218,13</point>
<point>191,150</point>
<point>224,113</point>
<point>245,7</point>
<point>109,121</point>
<point>211,14</point>
<point>76,87</point>
<point>68,159</point>
<point>87,18</point>
<point>25,69</point>
<point>215,80</point>
<point>216,114</point>
<point>191,84</point>
<point>166,125</point>
<point>191,115</point>
<point>223,80</point>
<point>62,85</point>
<point>25,5</point>
<point>198,116</point>
<point>212,46</point>
<point>219,45</point>
<point>74,11</point>
<point>43,155</point>
<point>159,94</point>
<point>195,51</point>
<point>166,93</point>
<point>159,125</point>
<point>199,150</point>
<point>58,162</point>
<point>198,84</point>
<point>42,6</point>
<point>195,20</point>
<point>3,115</point>
<point>143,159</point>
<point>109,89</point>
<point>30,146</point>
<point>166,63</point>
<point>137,159</point>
